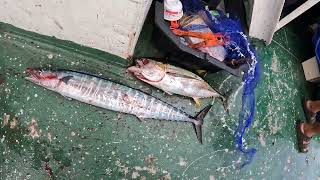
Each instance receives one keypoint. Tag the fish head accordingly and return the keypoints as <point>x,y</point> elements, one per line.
<point>44,78</point>
<point>148,70</point>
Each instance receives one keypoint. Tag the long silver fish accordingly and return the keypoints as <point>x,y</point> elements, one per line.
<point>109,95</point>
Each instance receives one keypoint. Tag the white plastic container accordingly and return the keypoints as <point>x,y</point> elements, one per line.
<point>172,10</point>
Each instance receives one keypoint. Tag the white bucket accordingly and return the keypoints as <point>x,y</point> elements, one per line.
<point>172,10</point>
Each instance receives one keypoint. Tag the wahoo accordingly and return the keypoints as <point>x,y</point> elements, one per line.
<point>109,95</point>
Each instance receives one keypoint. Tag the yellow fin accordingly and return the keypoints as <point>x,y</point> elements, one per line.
<point>162,66</point>
<point>197,101</point>
<point>201,72</point>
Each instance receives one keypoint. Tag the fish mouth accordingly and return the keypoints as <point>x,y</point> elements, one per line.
<point>139,63</point>
<point>32,72</point>
<point>136,71</point>
<point>142,62</point>
<point>141,72</point>
<point>33,75</point>
<point>38,75</point>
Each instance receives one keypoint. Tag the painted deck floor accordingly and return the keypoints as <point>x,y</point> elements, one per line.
<point>72,140</point>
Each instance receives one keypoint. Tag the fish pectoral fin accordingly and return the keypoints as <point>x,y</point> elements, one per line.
<point>179,75</point>
<point>146,90</point>
<point>164,67</point>
<point>167,92</point>
<point>140,118</point>
<point>66,79</point>
<point>185,76</point>
<point>197,101</point>
<point>69,98</point>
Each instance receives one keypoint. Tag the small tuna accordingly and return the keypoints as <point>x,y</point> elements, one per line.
<point>174,80</point>
<point>109,95</point>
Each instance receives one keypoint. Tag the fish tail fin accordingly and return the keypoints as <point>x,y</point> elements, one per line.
<point>225,99</point>
<point>197,124</point>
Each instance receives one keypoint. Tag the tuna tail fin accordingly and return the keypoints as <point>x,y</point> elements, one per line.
<point>199,122</point>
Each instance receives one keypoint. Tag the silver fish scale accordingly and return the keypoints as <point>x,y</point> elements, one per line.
<point>116,97</point>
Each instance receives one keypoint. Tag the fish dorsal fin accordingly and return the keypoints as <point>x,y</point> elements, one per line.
<point>66,79</point>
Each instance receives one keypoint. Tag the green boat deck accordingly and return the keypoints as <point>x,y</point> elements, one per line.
<point>48,135</point>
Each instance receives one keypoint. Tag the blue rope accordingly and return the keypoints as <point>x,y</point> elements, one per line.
<point>237,47</point>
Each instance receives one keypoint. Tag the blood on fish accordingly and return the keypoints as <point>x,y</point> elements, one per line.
<point>2,80</point>
<point>125,97</point>
<point>37,74</point>
<point>145,61</point>
<point>50,77</point>
<point>48,169</point>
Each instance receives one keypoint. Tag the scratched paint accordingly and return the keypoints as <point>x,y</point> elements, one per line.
<point>78,140</point>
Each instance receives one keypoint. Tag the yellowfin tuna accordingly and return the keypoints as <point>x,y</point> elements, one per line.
<point>173,80</point>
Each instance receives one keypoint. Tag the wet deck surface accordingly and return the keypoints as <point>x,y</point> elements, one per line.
<point>62,138</point>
